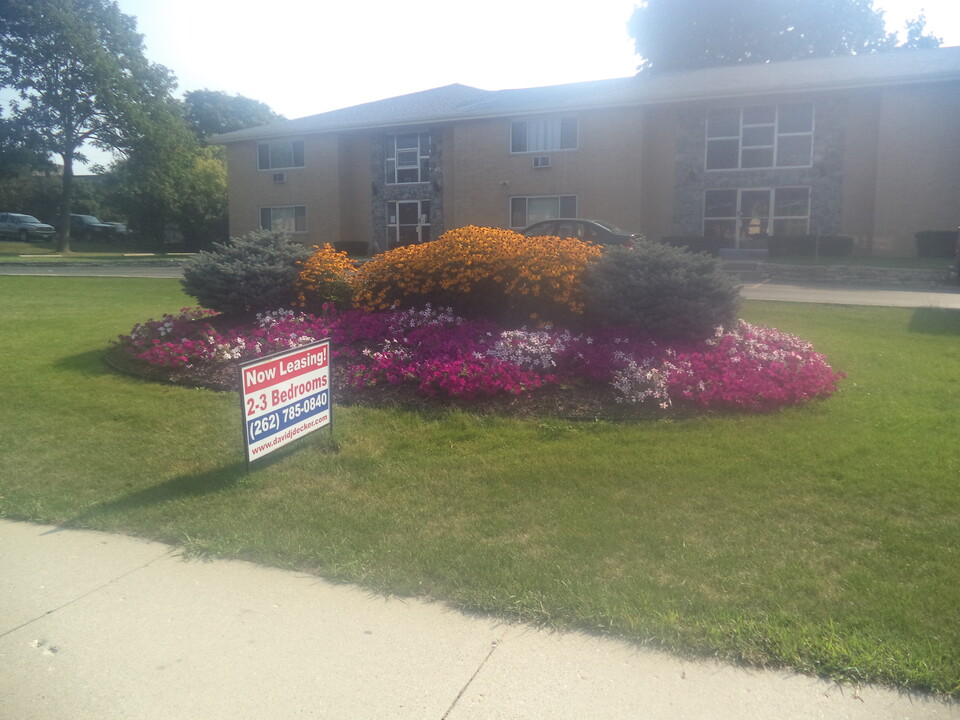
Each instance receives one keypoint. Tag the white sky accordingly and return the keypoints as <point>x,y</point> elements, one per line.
<point>303,57</point>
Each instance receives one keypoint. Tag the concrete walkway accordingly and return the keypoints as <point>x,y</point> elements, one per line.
<point>940,296</point>
<point>102,626</point>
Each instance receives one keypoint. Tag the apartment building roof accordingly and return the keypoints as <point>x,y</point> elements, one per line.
<point>461,102</point>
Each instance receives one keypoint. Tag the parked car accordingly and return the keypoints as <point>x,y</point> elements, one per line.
<point>591,230</point>
<point>88,227</point>
<point>25,227</point>
<point>119,228</point>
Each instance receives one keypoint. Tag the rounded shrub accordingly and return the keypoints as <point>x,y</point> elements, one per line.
<point>325,278</point>
<point>667,292</point>
<point>481,273</point>
<point>247,275</point>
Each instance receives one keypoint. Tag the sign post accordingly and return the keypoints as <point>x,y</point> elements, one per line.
<point>284,397</point>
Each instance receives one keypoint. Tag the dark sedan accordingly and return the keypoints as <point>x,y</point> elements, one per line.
<point>24,227</point>
<point>589,230</point>
<point>87,227</point>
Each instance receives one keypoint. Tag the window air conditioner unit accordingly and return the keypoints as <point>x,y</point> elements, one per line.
<point>541,161</point>
<point>279,177</point>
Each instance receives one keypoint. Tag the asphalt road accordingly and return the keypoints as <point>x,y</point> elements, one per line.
<point>939,296</point>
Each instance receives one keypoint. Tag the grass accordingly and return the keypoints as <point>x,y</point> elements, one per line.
<point>824,538</point>
<point>14,251</point>
<point>909,263</point>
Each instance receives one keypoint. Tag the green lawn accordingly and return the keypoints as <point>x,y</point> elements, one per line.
<point>14,251</point>
<point>914,263</point>
<point>825,538</point>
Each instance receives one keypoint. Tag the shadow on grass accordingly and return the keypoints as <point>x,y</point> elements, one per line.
<point>111,361</point>
<point>184,487</point>
<point>87,363</point>
<point>935,321</point>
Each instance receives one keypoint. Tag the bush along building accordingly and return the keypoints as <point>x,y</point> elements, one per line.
<point>833,155</point>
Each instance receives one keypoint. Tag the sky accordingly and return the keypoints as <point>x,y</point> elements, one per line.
<point>307,57</point>
<point>304,57</point>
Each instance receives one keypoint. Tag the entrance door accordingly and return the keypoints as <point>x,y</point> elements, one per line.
<point>408,222</point>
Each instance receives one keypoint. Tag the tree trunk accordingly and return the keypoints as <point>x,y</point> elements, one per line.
<point>66,199</point>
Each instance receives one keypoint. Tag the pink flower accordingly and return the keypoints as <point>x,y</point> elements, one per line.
<point>441,355</point>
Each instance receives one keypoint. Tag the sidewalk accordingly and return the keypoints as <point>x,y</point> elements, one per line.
<point>103,626</point>
<point>940,297</point>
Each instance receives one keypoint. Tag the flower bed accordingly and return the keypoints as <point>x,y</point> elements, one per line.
<point>435,355</point>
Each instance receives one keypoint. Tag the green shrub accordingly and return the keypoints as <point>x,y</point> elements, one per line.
<point>670,293</point>
<point>244,276</point>
<point>936,243</point>
<point>698,244</point>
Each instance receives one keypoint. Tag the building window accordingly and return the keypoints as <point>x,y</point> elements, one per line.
<point>543,135</point>
<point>408,158</point>
<point>740,215</point>
<point>525,211</point>
<point>289,218</point>
<point>765,136</point>
<point>280,154</point>
<point>408,223</point>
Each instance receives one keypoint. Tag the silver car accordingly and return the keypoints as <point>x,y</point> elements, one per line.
<point>24,227</point>
<point>591,230</point>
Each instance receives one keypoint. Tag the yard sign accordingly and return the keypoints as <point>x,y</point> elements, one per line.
<point>285,396</point>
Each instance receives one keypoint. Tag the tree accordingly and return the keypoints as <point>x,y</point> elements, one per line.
<point>20,153</point>
<point>202,215</point>
<point>80,75</point>
<point>31,192</point>
<point>917,39</point>
<point>151,181</point>
<point>171,178</point>
<point>31,183</point>
<point>159,187</point>
<point>213,112</point>
<point>689,34</point>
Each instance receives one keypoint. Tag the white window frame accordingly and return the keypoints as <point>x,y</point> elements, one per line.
<point>750,139</point>
<point>544,134</point>
<point>746,225</point>
<point>547,207</point>
<point>296,218</point>
<point>271,155</point>
<point>407,156</point>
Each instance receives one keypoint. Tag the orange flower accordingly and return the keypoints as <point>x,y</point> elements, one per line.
<point>485,272</point>
<point>325,277</point>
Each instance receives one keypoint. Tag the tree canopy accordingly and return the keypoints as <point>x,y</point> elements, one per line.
<point>689,34</point>
<point>20,153</point>
<point>213,112</point>
<point>170,178</point>
<point>154,182</point>
<point>80,76</point>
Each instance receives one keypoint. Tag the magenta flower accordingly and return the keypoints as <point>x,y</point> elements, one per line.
<point>441,355</point>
